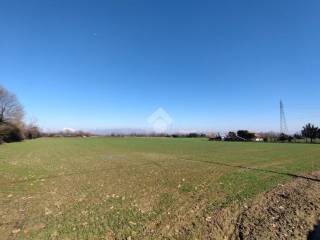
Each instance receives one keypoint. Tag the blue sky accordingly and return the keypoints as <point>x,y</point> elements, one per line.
<point>215,65</point>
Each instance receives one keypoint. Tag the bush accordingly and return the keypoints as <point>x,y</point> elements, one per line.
<point>10,133</point>
<point>298,136</point>
<point>245,134</point>
<point>231,136</point>
<point>284,137</point>
<point>32,132</point>
<point>193,135</point>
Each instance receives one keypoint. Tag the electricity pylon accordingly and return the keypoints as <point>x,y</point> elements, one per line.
<point>283,121</point>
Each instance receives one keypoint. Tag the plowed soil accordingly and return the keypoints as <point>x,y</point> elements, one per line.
<point>290,211</point>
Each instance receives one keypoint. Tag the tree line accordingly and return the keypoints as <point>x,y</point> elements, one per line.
<point>12,126</point>
<point>309,133</point>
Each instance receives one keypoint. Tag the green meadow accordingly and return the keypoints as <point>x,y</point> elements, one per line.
<point>135,188</point>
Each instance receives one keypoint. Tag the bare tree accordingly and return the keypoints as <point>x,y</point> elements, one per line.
<point>11,110</point>
<point>31,130</point>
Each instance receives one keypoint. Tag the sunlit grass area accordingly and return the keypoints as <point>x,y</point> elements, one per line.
<point>134,188</point>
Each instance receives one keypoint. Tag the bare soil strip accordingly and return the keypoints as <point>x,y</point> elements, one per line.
<point>290,211</point>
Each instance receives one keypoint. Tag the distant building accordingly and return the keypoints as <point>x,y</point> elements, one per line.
<point>258,138</point>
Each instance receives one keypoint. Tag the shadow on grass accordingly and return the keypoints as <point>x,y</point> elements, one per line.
<point>84,172</point>
<point>159,165</point>
<point>259,170</point>
<point>315,234</point>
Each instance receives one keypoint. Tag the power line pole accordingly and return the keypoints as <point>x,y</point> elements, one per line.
<point>283,121</point>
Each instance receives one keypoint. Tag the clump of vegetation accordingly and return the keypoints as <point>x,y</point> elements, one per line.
<point>67,134</point>
<point>11,114</point>
<point>10,133</point>
<point>12,127</point>
<point>310,131</point>
<point>245,134</point>
<point>32,131</point>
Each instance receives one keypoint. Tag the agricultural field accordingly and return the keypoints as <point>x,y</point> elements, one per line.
<point>137,188</point>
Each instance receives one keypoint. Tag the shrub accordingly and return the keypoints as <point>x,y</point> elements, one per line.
<point>231,136</point>
<point>283,137</point>
<point>10,133</point>
<point>245,134</point>
<point>32,132</point>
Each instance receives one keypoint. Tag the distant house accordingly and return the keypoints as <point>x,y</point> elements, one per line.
<point>214,137</point>
<point>258,138</point>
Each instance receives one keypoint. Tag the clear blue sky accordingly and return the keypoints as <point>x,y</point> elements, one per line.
<point>210,64</point>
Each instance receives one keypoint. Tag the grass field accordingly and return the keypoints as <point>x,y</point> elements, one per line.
<point>134,188</point>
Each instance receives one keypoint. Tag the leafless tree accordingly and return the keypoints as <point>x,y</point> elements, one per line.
<point>11,110</point>
<point>31,130</point>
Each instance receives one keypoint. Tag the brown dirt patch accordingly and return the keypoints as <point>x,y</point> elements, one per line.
<point>289,211</point>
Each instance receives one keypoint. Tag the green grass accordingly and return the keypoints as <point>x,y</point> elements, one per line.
<point>138,188</point>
